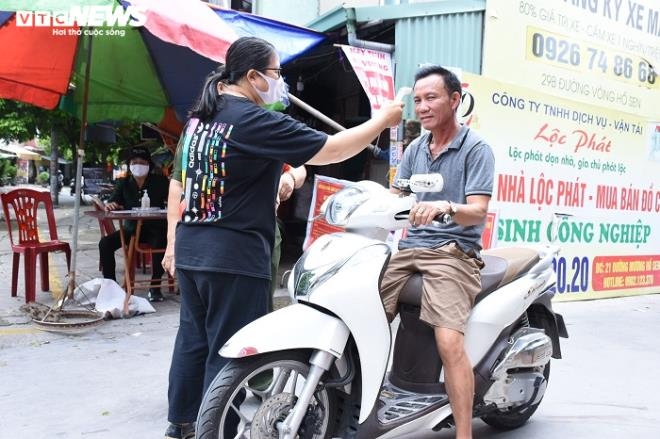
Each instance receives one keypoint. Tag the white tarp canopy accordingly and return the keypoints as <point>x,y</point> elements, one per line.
<point>17,150</point>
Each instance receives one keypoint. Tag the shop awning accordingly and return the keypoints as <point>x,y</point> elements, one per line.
<point>16,150</point>
<point>60,160</point>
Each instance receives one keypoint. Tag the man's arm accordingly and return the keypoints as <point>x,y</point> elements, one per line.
<point>472,213</point>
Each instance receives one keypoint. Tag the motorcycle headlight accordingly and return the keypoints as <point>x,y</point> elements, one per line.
<point>343,204</point>
<point>307,279</point>
<point>310,279</point>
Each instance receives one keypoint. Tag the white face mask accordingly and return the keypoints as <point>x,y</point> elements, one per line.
<point>276,93</point>
<point>139,170</point>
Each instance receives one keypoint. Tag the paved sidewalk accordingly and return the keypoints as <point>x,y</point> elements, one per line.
<point>109,382</point>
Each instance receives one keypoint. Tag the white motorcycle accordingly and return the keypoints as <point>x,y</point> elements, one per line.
<point>319,368</point>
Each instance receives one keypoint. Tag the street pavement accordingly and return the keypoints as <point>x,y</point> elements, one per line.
<point>107,382</point>
<point>607,385</point>
<point>111,381</point>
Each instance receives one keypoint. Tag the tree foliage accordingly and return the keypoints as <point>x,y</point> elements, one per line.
<point>7,172</point>
<point>21,122</point>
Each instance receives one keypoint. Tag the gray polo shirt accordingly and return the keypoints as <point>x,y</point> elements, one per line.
<point>467,166</point>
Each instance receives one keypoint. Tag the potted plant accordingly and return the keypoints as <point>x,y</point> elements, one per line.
<point>43,178</point>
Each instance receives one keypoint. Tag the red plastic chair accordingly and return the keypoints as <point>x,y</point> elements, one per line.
<point>106,225</point>
<point>25,203</point>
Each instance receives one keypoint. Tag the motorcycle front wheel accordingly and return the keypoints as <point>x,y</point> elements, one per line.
<point>251,396</point>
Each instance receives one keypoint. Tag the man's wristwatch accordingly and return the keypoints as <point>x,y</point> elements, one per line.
<point>453,209</point>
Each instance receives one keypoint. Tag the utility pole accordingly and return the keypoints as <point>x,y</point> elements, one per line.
<point>54,167</point>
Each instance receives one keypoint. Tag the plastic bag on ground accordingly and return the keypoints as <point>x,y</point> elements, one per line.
<point>109,298</point>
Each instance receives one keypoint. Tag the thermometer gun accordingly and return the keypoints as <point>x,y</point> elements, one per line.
<point>403,92</point>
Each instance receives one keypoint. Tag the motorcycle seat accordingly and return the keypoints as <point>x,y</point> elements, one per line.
<point>502,265</point>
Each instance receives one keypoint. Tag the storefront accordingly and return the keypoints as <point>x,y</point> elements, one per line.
<point>567,96</point>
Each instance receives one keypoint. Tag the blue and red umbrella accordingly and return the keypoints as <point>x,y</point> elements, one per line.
<point>136,72</point>
<point>155,60</point>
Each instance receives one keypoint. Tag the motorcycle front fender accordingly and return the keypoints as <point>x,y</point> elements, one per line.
<point>292,327</point>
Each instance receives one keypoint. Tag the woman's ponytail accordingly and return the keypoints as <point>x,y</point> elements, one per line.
<point>209,99</point>
<point>244,54</point>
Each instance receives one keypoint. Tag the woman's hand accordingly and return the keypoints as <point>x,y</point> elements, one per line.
<point>391,112</point>
<point>168,260</point>
<point>112,206</point>
<point>173,215</point>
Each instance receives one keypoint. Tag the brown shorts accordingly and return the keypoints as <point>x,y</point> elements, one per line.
<point>451,281</point>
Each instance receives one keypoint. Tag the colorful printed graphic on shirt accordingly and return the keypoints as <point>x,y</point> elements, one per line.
<point>203,170</point>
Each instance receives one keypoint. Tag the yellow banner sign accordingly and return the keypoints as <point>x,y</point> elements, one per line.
<point>604,53</point>
<point>581,176</point>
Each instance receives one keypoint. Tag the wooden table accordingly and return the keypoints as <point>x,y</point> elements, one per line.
<point>133,245</point>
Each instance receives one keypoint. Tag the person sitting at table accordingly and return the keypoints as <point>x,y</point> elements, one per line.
<point>127,194</point>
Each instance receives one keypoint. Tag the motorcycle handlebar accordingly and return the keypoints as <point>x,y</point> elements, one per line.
<point>442,219</point>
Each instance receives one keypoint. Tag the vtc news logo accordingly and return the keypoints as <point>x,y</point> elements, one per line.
<point>86,16</point>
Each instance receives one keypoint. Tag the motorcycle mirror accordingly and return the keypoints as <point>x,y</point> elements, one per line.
<point>403,184</point>
<point>421,183</point>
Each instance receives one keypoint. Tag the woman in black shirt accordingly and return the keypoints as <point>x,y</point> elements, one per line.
<point>221,219</point>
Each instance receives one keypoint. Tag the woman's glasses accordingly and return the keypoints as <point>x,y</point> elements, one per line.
<point>279,71</point>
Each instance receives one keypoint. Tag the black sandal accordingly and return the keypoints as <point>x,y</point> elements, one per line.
<point>155,295</point>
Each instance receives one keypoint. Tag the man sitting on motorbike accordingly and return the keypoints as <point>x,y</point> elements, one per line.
<point>447,255</point>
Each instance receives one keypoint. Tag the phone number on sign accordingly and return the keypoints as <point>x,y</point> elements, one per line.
<point>564,52</point>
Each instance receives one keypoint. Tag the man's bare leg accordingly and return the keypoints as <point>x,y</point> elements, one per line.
<point>459,378</point>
